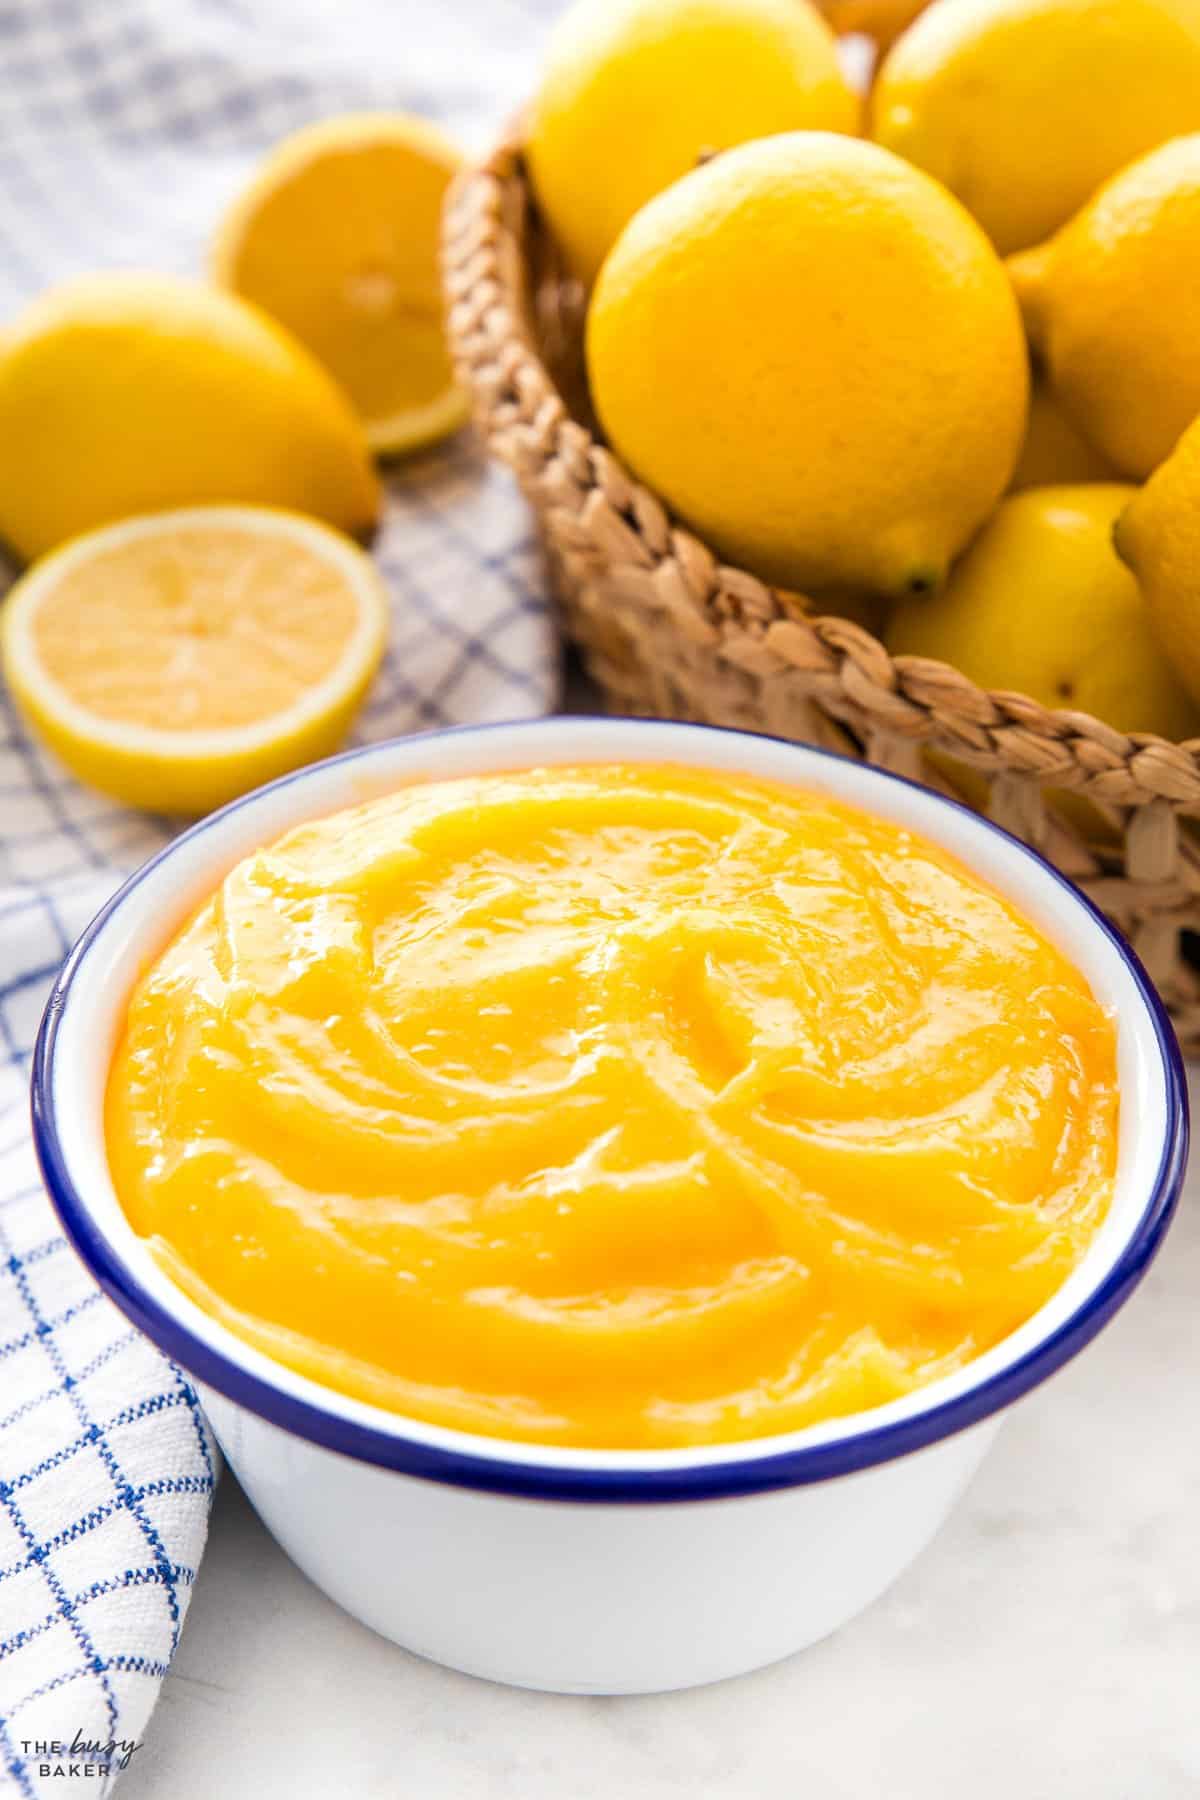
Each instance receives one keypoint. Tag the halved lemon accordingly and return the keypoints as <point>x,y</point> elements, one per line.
<point>337,238</point>
<point>178,659</point>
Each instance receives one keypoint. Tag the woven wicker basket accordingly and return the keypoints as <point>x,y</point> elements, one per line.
<point>669,631</point>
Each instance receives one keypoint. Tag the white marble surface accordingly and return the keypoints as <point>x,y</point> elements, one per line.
<point>1047,1647</point>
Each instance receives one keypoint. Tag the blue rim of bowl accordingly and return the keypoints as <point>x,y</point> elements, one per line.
<point>489,1470</point>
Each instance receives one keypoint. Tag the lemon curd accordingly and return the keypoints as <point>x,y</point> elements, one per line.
<point>623,1106</point>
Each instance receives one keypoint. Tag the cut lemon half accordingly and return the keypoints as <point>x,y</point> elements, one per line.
<point>178,659</point>
<point>337,238</point>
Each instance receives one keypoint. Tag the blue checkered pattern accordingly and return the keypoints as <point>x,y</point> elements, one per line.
<point>125,126</point>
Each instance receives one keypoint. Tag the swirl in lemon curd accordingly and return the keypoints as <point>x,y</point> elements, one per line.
<point>615,1106</point>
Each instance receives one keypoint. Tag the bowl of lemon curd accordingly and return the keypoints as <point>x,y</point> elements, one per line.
<point>607,1178</point>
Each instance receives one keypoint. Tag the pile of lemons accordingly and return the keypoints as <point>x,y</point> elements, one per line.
<point>928,356</point>
<point>935,349</point>
<point>185,465</point>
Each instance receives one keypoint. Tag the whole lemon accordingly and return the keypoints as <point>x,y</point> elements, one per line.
<point>1023,107</point>
<point>635,92</point>
<point>132,393</point>
<point>882,20</point>
<point>812,353</point>
<point>1054,451</point>
<point>1040,603</point>
<point>1112,305</point>
<point>1158,536</point>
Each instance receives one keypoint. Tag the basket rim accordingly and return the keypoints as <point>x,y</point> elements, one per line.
<point>481,281</point>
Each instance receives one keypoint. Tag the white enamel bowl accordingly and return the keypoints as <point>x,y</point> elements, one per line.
<point>574,1570</point>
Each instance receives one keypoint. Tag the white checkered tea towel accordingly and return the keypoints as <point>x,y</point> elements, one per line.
<point>125,127</point>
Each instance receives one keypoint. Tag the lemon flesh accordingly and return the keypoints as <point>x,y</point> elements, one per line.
<point>812,353</point>
<point>337,237</point>
<point>177,660</point>
<point>1023,107</point>
<point>635,92</point>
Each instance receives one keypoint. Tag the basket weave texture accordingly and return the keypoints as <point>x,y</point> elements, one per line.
<point>669,631</point>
